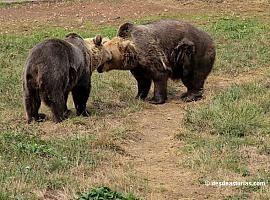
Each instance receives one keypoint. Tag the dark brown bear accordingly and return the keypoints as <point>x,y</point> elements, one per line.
<point>161,50</point>
<point>54,68</point>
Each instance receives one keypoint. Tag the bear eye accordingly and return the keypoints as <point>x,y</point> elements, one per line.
<point>109,61</point>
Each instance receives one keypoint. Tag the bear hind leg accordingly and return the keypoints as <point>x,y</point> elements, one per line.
<point>58,110</point>
<point>32,104</point>
<point>55,100</point>
<point>194,84</point>
<point>80,96</point>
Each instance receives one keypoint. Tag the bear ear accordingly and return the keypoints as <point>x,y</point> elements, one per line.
<point>98,40</point>
<point>73,35</point>
<point>185,49</point>
<point>188,45</point>
<point>124,30</point>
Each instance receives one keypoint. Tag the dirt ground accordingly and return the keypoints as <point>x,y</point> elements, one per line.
<point>155,155</point>
<point>31,16</point>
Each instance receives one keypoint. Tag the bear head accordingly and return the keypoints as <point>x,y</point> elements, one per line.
<point>99,54</point>
<point>123,54</point>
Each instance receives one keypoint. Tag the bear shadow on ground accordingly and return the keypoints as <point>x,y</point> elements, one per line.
<point>174,91</point>
<point>102,108</point>
<point>98,108</point>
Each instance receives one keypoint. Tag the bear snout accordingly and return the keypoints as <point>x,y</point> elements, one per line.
<point>101,68</point>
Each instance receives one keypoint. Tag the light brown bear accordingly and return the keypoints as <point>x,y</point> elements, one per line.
<point>161,50</point>
<point>54,68</point>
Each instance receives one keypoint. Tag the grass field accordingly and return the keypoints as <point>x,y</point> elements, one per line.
<point>226,137</point>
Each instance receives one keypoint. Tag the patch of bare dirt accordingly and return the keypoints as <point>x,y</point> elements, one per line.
<point>82,14</point>
<point>156,156</point>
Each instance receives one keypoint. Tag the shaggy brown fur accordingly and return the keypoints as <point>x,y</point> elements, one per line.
<point>54,68</point>
<point>161,50</point>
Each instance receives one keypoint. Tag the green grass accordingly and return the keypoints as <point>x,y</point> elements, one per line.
<point>33,162</point>
<point>221,134</point>
<point>102,193</point>
<point>5,5</point>
<point>240,111</point>
<point>242,44</point>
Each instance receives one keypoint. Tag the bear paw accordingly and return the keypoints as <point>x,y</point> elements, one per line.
<point>67,113</point>
<point>189,97</point>
<point>85,113</point>
<point>140,97</point>
<point>157,100</point>
<point>41,117</point>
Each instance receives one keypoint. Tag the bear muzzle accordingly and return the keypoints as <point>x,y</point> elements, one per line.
<point>101,69</point>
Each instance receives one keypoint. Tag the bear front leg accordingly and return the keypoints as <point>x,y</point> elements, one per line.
<point>80,94</point>
<point>143,88</point>
<point>143,82</point>
<point>160,89</point>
